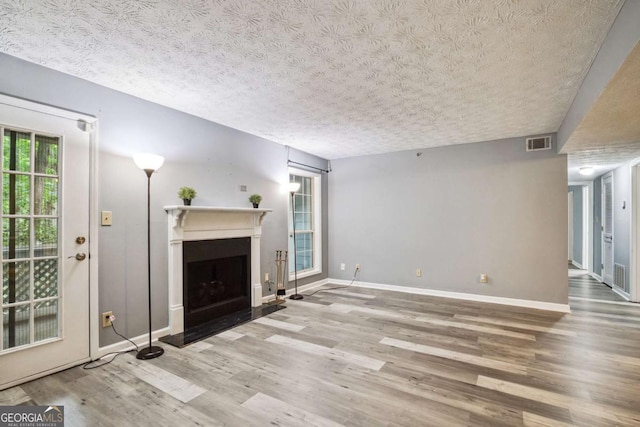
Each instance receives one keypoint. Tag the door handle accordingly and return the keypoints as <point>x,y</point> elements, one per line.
<point>80,256</point>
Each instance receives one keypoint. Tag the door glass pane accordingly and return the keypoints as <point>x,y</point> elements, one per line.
<point>46,237</point>
<point>16,151</point>
<point>45,276</point>
<point>15,238</point>
<point>46,155</point>
<point>15,194</point>
<point>30,217</point>
<point>15,282</point>
<point>46,196</point>
<point>15,326</point>
<point>45,320</point>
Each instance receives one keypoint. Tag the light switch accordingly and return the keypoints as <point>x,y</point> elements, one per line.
<point>106,218</point>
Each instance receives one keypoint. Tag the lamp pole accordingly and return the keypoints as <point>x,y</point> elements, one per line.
<point>149,163</point>
<point>293,188</point>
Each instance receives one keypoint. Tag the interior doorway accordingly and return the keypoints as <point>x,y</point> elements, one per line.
<point>580,228</point>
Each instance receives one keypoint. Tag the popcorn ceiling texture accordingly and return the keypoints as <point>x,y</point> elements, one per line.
<point>610,132</point>
<point>333,78</point>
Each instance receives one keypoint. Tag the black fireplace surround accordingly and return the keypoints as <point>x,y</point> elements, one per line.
<point>216,278</point>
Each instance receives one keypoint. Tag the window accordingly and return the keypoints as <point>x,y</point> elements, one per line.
<point>308,220</point>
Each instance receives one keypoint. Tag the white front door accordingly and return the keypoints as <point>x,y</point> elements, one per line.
<point>45,241</point>
<point>607,229</point>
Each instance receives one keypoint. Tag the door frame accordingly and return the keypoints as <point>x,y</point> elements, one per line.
<point>587,224</point>
<point>90,124</point>
<point>602,216</point>
<point>634,270</point>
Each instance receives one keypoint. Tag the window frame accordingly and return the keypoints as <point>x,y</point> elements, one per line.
<point>316,223</point>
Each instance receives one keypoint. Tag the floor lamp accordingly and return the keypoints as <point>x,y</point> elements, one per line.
<point>149,163</point>
<point>293,188</point>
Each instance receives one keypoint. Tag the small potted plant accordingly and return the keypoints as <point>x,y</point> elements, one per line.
<point>255,199</point>
<point>186,194</point>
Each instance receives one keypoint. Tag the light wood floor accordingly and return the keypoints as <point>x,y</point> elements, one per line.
<point>365,357</point>
<point>581,285</point>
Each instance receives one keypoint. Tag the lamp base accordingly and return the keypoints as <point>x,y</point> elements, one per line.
<point>150,352</point>
<point>296,297</point>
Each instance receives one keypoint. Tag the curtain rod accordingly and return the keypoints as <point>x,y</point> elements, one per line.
<point>311,167</point>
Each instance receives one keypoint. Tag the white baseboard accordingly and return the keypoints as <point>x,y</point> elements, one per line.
<point>124,345</point>
<point>622,293</point>
<point>301,289</point>
<point>539,305</point>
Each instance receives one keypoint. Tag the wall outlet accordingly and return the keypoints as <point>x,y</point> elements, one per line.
<point>418,272</point>
<point>357,266</point>
<point>342,266</point>
<point>484,278</point>
<point>106,319</point>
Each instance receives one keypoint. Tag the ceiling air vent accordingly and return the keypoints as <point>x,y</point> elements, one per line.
<point>539,143</point>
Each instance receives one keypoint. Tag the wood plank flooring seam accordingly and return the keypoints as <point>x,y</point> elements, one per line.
<point>307,347</point>
<point>454,355</point>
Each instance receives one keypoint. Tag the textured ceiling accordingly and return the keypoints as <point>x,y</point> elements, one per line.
<point>610,132</point>
<point>335,78</point>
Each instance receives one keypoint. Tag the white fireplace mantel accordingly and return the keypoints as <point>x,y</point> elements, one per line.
<point>189,223</point>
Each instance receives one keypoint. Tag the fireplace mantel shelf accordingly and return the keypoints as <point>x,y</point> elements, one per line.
<point>213,209</point>
<point>180,212</point>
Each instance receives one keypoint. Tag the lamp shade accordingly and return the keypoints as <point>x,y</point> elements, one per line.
<point>294,187</point>
<point>147,161</point>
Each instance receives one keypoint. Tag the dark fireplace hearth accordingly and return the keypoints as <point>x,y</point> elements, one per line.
<point>216,279</point>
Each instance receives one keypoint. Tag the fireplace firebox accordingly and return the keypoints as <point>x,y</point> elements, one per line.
<point>216,278</point>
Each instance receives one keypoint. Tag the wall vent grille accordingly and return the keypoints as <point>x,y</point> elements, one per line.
<point>539,143</point>
<point>619,276</point>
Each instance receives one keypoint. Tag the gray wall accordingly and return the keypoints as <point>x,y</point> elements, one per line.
<point>455,212</point>
<point>597,226</point>
<point>622,218</point>
<point>212,158</point>
<point>622,37</point>
<point>577,224</point>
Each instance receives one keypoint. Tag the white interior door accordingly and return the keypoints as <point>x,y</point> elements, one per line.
<point>586,234</point>
<point>570,222</point>
<point>45,224</point>
<point>607,229</point>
